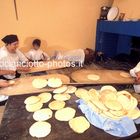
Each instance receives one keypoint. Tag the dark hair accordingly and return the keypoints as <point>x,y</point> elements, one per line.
<point>36,42</point>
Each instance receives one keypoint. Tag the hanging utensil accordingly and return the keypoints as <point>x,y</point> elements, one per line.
<point>15,6</point>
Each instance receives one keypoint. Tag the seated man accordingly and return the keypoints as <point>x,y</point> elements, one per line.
<point>135,72</point>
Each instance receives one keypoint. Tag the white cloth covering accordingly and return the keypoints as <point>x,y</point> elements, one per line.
<point>9,61</point>
<point>36,55</point>
<point>133,74</point>
<point>76,55</point>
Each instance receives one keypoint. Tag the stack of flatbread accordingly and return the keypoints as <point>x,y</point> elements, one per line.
<point>110,103</point>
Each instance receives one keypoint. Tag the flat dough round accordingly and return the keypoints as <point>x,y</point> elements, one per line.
<point>32,100</point>
<point>71,89</point>
<point>12,82</point>
<point>45,97</point>
<point>134,114</point>
<point>34,107</point>
<point>107,114</point>
<point>108,87</point>
<point>60,89</point>
<point>54,82</point>
<point>124,92</point>
<point>100,105</point>
<point>62,97</point>
<point>39,83</point>
<point>133,103</point>
<point>93,77</point>
<point>125,74</point>
<point>65,114</point>
<point>40,129</point>
<point>124,101</point>
<point>56,105</point>
<point>80,91</point>
<point>94,95</point>
<point>119,113</point>
<point>42,114</point>
<point>108,95</point>
<point>93,107</point>
<point>79,124</point>
<point>113,105</point>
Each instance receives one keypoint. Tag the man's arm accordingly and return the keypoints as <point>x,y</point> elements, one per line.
<point>4,83</point>
<point>5,72</point>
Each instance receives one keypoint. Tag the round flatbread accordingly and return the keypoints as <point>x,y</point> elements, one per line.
<point>39,83</point>
<point>93,77</point>
<point>81,91</point>
<point>62,97</point>
<point>124,101</point>
<point>32,100</point>
<point>108,95</point>
<point>65,114</point>
<point>93,107</point>
<point>40,129</point>
<point>133,103</point>
<point>113,105</point>
<point>111,88</point>
<point>34,107</point>
<point>100,105</point>
<point>94,95</point>
<point>107,114</point>
<point>12,82</point>
<point>54,82</point>
<point>60,89</point>
<point>125,74</point>
<point>124,92</point>
<point>71,89</point>
<point>134,114</point>
<point>45,97</point>
<point>56,105</point>
<point>119,113</point>
<point>79,124</point>
<point>42,114</point>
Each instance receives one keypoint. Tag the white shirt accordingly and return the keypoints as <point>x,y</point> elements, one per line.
<point>35,55</point>
<point>133,74</point>
<point>77,55</point>
<point>9,61</point>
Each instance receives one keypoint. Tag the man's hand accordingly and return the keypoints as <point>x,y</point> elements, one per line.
<point>137,80</point>
<point>4,83</point>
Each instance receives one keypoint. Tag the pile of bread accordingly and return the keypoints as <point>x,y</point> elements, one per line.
<point>110,103</point>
